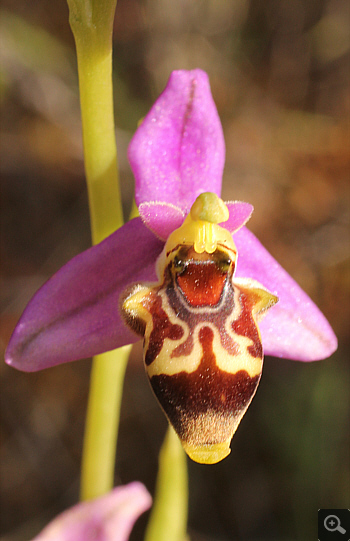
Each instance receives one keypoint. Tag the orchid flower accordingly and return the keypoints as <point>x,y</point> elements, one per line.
<point>108,518</point>
<point>187,275</point>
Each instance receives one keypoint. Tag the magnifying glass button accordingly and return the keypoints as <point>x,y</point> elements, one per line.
<point>332,524</point>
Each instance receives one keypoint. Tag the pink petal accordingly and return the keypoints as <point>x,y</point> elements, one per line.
<point>108,518</point>
<point>76,313</point>
<point>178,151</point>
<point>294,328</point>
<point>240,213</point>
<point>161,218</point>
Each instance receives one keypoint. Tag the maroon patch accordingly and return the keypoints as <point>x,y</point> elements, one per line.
<point>162,328</point>
<point>245,325</point>
<point>218,397</point>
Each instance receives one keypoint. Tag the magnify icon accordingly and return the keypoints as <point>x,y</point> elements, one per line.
<point>332,524</point>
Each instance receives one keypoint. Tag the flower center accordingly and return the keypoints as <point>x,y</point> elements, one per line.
<point>201,228</point>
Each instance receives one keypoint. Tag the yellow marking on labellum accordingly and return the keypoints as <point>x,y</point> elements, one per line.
<point>134,303</point>
<point>263,300</point>
<point>134,308</point>
<point>164,363</point>
<point>202,346</point>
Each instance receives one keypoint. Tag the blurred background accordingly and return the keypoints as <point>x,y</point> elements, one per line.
<point>279,73</point>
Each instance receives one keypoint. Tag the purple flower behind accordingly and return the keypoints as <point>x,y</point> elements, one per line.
<point>108,518</point>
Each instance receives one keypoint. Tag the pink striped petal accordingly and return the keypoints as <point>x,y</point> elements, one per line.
<point>76,313</point>
<point>240,213</point>
<point>178,151</point>
<point>294,328</point>
<point>161,218</point>
<point>164,218</point>
<point>108,518</point>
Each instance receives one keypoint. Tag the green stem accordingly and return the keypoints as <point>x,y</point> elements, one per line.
<point>169,514</point>
<point>92,25</point>
<point>106,388</point>
<point>94,54</point>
